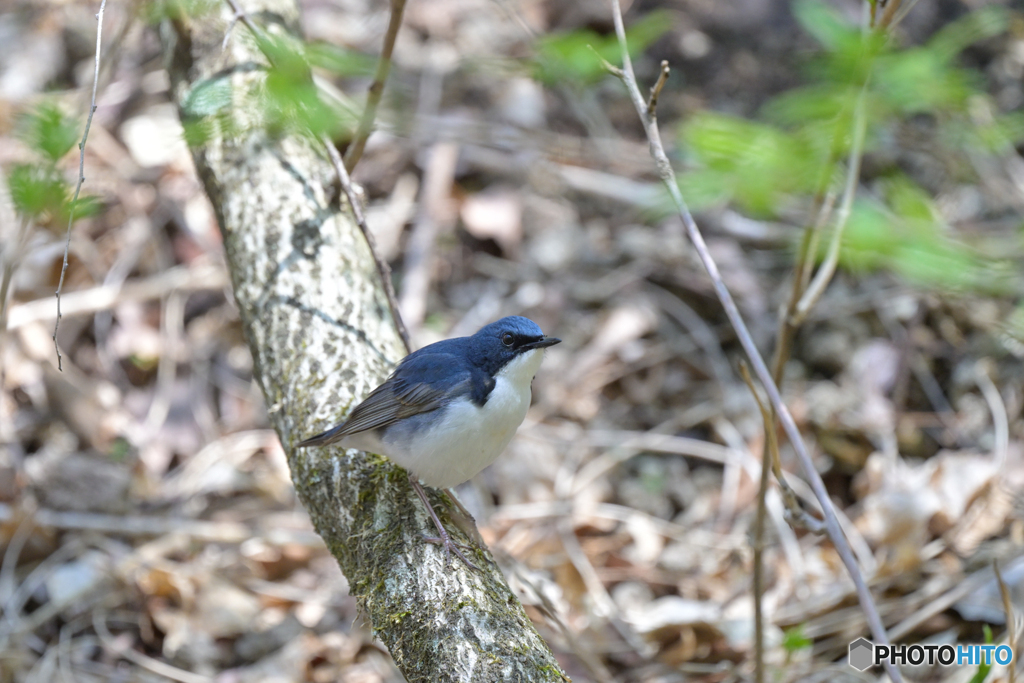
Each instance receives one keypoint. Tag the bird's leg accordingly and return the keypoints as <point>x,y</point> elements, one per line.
<point>444,539</point>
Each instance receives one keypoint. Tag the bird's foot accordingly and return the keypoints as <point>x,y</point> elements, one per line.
<point>450,547</point>
<point>443,538</point>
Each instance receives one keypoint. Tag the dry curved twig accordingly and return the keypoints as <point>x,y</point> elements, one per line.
<point>81,172</point>
<point>380,76</point>
<point>665,171</point>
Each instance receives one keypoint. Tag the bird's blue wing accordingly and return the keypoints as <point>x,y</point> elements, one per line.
<point>420,384</point>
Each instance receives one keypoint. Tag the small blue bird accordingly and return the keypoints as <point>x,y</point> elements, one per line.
<point>449,409</point>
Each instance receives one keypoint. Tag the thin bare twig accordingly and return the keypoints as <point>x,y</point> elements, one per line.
<point>606,65</point>
<point>383,269</point>
<point>762,511</point>
<point>795,514</point>
<point>228,30</point>
<point>888,13</point>
<point>355,150</point>
<point>828,268</point>
<point>81,172</point>
<point>667,174</point>
<point>240,15</point>
<point>805,264</point>
<point>652,101</point>
<point>801,277</point>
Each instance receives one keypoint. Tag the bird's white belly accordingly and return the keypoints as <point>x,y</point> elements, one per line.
<point>465,438</point>
<point>451,445</point>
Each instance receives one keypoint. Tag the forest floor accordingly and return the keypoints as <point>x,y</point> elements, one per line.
<point>147,520</point>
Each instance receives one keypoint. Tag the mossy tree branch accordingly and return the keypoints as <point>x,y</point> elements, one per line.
<point>322,336</point>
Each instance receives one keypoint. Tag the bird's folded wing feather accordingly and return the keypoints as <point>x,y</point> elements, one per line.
<point>420,384</point>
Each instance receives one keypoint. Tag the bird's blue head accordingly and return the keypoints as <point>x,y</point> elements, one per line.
<point>497,345</point>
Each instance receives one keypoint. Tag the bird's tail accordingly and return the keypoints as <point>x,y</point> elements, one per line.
<point>324,438</point>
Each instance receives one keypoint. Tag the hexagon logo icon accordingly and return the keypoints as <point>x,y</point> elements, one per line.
<point>862,654</point>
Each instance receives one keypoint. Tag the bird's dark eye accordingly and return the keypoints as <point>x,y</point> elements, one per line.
<point>507,339</point>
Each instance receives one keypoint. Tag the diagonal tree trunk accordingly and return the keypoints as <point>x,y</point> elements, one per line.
<point>321,335</point>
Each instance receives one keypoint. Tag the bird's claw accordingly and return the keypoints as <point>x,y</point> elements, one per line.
<point>451,546</point>
<point>443,539</point>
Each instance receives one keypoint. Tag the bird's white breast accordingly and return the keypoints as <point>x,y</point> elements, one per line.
<point>464,438</point>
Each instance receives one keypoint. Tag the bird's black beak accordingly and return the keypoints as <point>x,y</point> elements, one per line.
<point>541,343</point>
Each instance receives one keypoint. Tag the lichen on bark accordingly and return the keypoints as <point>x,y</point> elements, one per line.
<point>321,336</point>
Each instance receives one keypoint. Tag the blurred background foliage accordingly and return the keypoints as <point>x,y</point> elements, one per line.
<point>39,190</point>
<point>789,158</point>
<point>779,163</point>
